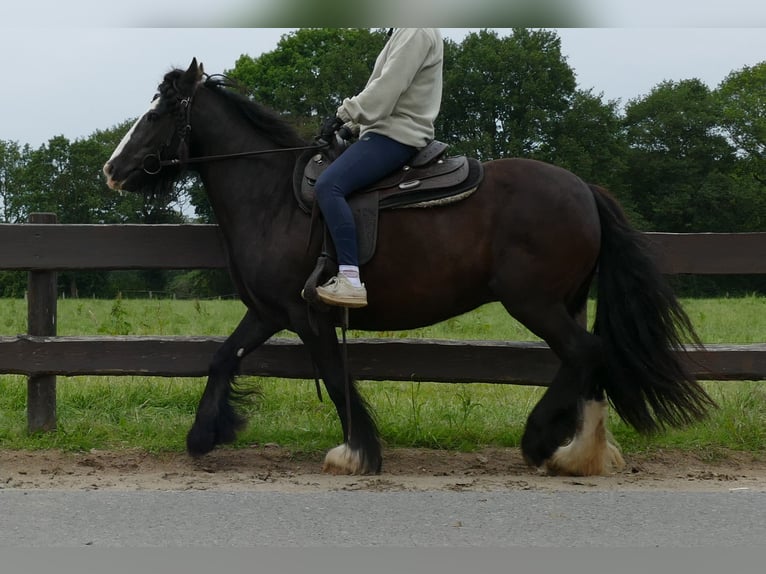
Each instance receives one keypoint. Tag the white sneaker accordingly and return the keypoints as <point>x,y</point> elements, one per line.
<point>339,291</point>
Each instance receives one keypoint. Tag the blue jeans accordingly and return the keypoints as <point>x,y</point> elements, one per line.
<point>366,161</point>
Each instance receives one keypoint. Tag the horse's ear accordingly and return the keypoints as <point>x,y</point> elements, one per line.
<point>194,68</point>
<point>193,74</point>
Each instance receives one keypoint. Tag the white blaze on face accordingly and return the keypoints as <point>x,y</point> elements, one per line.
<point>121,146</point>
<point>126,138</point>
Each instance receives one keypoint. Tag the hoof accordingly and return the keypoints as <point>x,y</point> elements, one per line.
<point>199,442</point>
<point>573,460</point>
<point>591,451</point>
<point>345,460</point>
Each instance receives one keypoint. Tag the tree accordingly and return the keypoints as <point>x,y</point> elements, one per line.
<point>502,96</point>
<point>588,140</point>
<point>12,283</point>
<point>11,166</point>
<point>742,97</point>
<point>680,165</point>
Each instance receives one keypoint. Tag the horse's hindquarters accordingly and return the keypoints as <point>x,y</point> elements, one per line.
<point>531,229</point>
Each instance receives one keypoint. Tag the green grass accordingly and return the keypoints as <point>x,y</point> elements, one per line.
<point>155,413</point>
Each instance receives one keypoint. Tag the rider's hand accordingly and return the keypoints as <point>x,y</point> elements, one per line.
<point>329,127</point>
<point>349,131</point>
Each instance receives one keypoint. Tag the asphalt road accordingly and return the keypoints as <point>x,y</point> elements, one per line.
<point>113,519</point>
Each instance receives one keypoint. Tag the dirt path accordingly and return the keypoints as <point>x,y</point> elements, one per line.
<point>272,468</point>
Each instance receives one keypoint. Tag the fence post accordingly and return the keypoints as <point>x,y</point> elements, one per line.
<point>41,321</point>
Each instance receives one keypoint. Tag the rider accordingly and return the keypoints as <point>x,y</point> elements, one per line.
<point>394,115</point>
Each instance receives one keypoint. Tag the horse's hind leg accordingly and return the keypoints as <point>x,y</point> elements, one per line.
<point>360,452</point>
<point>566,431</point>
<point>217,421</point>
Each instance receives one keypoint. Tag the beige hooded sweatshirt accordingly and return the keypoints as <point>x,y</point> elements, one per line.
<point>403,94</point>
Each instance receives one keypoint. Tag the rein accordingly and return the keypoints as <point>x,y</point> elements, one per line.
<point>160,163</point>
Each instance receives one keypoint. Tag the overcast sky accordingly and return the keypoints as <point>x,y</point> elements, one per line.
<point>73,81</point>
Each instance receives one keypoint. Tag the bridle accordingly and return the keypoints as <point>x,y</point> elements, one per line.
<point>153,163</point>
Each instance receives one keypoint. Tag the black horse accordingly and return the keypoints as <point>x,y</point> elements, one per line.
<point>532,237</point>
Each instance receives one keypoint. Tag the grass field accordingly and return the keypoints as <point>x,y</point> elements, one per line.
<point>155,413</point>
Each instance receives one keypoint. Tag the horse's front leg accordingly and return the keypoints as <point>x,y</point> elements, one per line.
<point>217,420</point>
<point>360,452</point>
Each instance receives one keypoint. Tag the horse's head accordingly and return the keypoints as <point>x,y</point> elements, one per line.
<point>151,154</point>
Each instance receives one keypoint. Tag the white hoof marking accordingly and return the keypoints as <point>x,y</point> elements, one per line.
<point>591,451</point>
<point>343,460</point>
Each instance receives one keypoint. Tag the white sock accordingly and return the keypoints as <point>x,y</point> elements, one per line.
<point>350,272</point>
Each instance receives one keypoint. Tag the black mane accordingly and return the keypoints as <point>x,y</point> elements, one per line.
<point>263,119</point>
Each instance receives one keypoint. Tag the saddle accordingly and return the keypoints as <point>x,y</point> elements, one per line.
<point>429,179</point>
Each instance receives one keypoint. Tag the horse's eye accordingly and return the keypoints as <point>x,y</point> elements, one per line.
<point>152,116</point>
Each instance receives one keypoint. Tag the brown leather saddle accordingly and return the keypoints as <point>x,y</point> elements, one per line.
<point>430,179</point>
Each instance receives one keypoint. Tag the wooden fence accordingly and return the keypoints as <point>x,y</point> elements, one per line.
<point>43,248</point>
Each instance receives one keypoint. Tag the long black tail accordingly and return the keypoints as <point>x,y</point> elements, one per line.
<point>643,328</point>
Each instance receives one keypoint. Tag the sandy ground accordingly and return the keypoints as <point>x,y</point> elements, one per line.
<point>270,468</point>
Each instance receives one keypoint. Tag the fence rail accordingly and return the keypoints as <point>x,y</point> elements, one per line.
<point>57,247</point>
<point>425,360</point>
<point>43,248</point>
